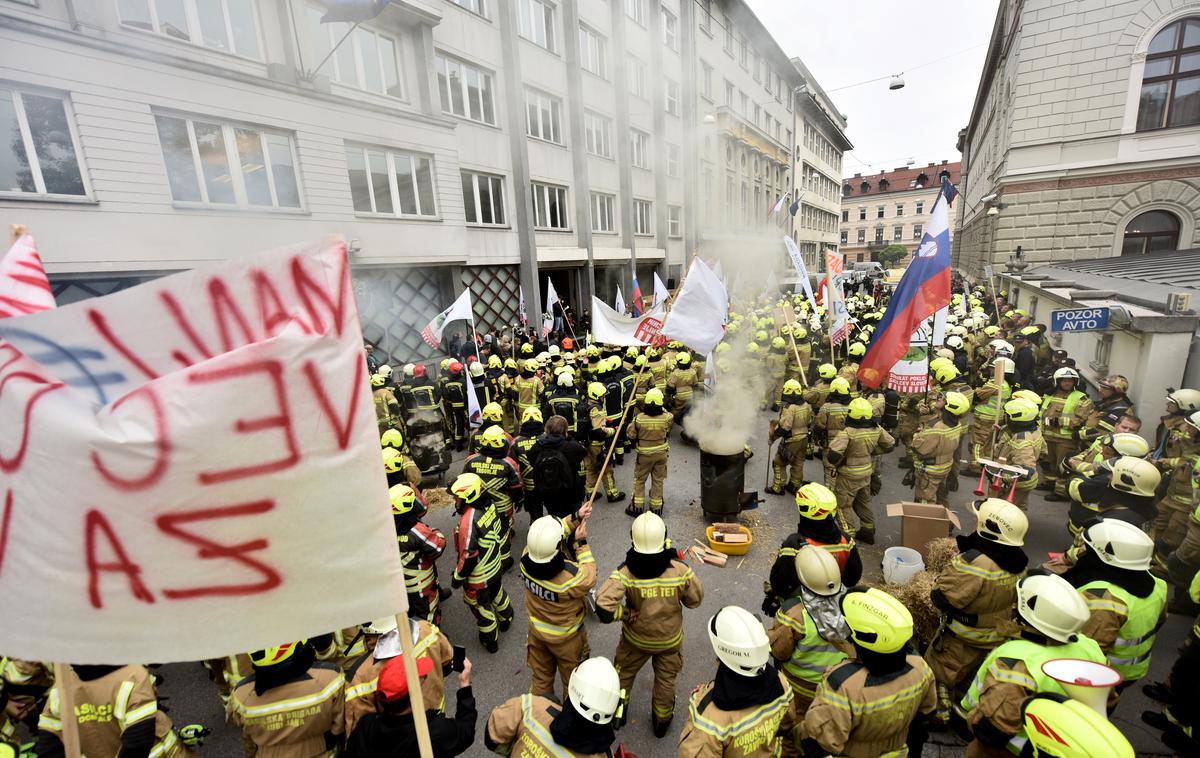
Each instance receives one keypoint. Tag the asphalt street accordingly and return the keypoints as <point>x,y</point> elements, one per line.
<point>191,698</point>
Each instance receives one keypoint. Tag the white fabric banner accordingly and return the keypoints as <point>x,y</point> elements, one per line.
<point>661,293</point>
<point>191,467</point>
<point>612,328</point>
<point>619,303</point>
<point>697,319</point>
<point>460,309</point>
<point>839,319</point>
<point>801,270</point>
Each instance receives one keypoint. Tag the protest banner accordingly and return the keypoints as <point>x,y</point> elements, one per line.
<point>614,328</point>
<point>191,467</point>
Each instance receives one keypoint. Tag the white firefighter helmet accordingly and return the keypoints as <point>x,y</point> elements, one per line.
<point>1135,476</point>
<point>1128,443</point>
<point>1120,544</point>
<point>739,640</point>
<point>1052,606</point>
<point>1066,372</point>
<point>545,534</point>
<point>1000,521</point>
<point>818,570</point>
<point>649,533</point>
<point>1187,400</point>
<point>595,690</point>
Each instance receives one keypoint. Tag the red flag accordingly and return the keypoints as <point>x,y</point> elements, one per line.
<point>24,287</point>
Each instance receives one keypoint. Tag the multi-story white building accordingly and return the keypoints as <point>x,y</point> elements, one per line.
<point>890,208</point>
<point>489,144</point>
<point>1084,138</point>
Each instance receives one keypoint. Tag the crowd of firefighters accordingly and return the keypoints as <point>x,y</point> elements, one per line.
<point>837,670</point>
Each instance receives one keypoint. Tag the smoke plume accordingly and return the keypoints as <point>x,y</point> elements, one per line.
<point>726,420</point>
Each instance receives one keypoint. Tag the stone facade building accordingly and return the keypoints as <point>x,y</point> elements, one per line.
<point>890,208</point>
<point>1084,138</point>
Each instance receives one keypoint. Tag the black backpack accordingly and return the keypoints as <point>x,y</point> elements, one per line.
<point>552,473</point>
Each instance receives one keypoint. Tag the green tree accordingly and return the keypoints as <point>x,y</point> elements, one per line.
<point>890,255</point>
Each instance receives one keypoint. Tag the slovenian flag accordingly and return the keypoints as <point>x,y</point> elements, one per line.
<point>637,297</point>
<point>779,203</point>
<point>924,289</point>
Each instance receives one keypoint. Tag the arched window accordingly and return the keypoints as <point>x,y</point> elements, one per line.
<point>864,187</point>
<point>1151,232</point>
<point>1171,82</point>
<point>846,190</point>
<point>922,180</point>
<point>883,185</point>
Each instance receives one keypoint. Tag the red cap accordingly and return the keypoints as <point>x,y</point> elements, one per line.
<point>418,370</point>
<point>392,683</point>
<point>456,367</point>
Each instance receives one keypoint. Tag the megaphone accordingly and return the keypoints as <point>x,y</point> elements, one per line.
<point>1086,681</point>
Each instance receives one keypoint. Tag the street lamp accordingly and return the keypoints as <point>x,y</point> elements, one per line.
<point>897,82</point>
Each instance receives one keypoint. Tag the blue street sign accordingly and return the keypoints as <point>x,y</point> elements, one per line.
<point>1079,320</point>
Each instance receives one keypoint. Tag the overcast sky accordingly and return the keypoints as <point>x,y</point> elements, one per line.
<point>853,40</point>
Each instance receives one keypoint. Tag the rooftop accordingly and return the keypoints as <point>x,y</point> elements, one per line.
<point>900,179</point>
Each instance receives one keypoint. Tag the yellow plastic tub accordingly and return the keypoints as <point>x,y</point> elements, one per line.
<point>730,549</point>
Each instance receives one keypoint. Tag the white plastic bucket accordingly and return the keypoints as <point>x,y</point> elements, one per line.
<point>900,564</point>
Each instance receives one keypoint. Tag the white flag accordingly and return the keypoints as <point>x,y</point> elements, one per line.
<point>521,316</point>
<point>839,318</point>
<point>24,288</point>
<point>698,317</point>
<point>660,290</point>
<point>547,324</point>
<point>458,310</point>
<point>551,296</point>
<point>474,412</point>
<point>801,270</point>
<point>612,328</point>
<point>619,303</point>
<point>223,452</point>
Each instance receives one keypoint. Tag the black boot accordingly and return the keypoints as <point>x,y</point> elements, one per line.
<point>1158,691</point>
<point>616,497</point>
<point>492,646</point>
<point>773,490</point>
<point>634,509</point>
<point>661,727</point>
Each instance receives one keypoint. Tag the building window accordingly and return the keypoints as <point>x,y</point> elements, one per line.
<point>728,25</point>
<point>597,133</point>
<point>604,215</point>
<point>226,164</point>
<point>845,236</point>
<point>637,78</point>
<point>899,209</point>
<point>674,221</point>
<point>862,236</point>
<point>670,29</point>
<point>745,103</point>
<point>672,97</point>
<point>543,116</point>
<point>390,182</point>
<point>467,91</point>
<point>706,16</point>
<point>483,198</point>
<point>549,206</point>
<point>639,148</point>
<point>39,153</point>
<point>636,10</point>
<point>535,20</point>
<point>920,207</point>
<point>228,25</point>
<point>845,215</point>
<point>897,233</point>
<point>1151,232</point>
<point>673,153</point>
<point>475,6</point>
<point>879,235</point>
<point>367,60</point>
<point>743,53</point>
<point>918,231</point>
<point>879,211</point>
<point>643,217</point>
<point>593,52</point>
<point>729,93</point>
<point>706,80</point>
<point>1171,82</point>
<point>862,213</point>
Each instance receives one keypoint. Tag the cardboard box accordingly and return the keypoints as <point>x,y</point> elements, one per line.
<point>922,522</point>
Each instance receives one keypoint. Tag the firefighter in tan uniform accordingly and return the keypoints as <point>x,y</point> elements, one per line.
<point>1020,444</point>
<point>747,710</point>
<point>935,447</point>
<point>809,634</point>
<point>649,431</point>
<point>852,451</point>
<point>538,726</point>
<point>876,704</point>
<point>680,385</point>
<point>975,594</point>
<point>292,706</point>
<point>831,419</point>
<point>792,432</point>
<point>647,594</point>
<point>555,589</point>
<point>985,418</point>
<point>116,709</point>
<point>1178,446</point>
<point>819,391</point>
<point>1051,615</point>
<point>1064,413</point>
<point>362,678</point>
<point>526,391</point>
<point>598,437</point>
<point>777,360</point>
